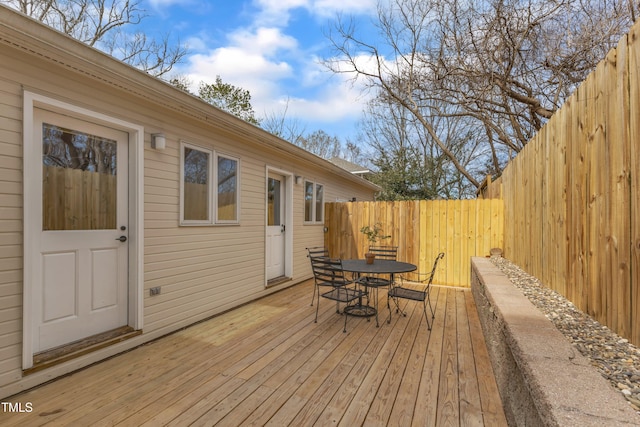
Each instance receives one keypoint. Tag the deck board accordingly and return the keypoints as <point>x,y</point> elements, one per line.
<point>268,363</point>
<point>448,410</point>
<point>470,407</point>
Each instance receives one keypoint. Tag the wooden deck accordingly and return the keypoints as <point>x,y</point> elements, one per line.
<point>268,363</point>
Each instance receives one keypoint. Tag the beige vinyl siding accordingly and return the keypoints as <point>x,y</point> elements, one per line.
<point>202,270</point>
<point>10,231</point>
<point>207,269</point>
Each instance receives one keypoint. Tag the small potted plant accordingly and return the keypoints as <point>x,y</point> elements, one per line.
<point>373,234</point>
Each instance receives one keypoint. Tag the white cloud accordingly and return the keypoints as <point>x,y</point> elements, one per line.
<point>268,41</point>
<point>313,95</point>
<point>251,60</point>
<point>277,12</point>
<point>196,44</point>
<point>338,102</point>
<point>249,71</point>
<point>329,97</point>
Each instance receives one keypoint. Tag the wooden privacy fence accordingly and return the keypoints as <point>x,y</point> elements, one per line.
<point>572,196</point>
<point>421,229</point>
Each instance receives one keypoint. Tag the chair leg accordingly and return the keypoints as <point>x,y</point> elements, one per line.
<point>397,304</point>
<point>375,303</point>
<point>426,317</point>
<point>433,313</point>
<point>314,294</point>
<point>344,330</point>
<point>403,311</point>
<point>398,309</point>
<point>389,306</point>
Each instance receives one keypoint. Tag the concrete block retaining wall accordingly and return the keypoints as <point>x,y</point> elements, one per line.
<point>543,380</point>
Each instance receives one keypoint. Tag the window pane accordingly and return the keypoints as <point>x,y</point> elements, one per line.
<point>308,201</point>
<point>196,184</point>
<point>273,215</point>
<point>319,203</point>
<point>227,189</point>
<point>79,180</point>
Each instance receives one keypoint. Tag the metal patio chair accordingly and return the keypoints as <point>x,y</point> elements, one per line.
<point>420,291</point>
<point>384,252</point>
<point>381,252</point>
<point>377,281</point>
<point>329,272</point>
<point>316,252</point>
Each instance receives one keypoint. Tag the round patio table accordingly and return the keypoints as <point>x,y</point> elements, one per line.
<point>379,266</point>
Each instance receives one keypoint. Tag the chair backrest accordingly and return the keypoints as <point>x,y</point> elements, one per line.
<point>318,251</point>
<point>435,265</point>
<point>384,252</point>
<point>328,272</point>
<point>424,277</point>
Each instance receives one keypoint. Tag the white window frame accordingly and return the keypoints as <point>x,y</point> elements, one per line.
<point>217,156</point>
<point>184,145</point>
<point>212,218</point>
<point>313,204</point>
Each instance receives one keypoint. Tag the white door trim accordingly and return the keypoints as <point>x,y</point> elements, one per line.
<point>33,222</point>
<point>288,220</point>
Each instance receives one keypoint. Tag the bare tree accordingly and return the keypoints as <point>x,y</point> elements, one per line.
<point>505,66</point>
<point>103,24</point>
<point>407,162</point>
<point>279,124</point>
<point>321,144</point>
<point>352,151</point>
<point>317,142</point>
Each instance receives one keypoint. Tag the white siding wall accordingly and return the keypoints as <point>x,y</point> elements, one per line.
<point>203,270</point>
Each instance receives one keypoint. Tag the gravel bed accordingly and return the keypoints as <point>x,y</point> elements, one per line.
<point>613,356</point>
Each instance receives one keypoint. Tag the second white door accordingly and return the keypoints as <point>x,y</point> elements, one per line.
<point>276,227</point>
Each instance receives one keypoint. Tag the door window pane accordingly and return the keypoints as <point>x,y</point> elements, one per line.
<point>227,189</point>
<point>273,214</point>
<point>79,188</point>
<point>196,184</point>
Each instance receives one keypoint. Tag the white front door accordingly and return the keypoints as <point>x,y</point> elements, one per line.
<point>276,227</point>
<point>81,282</point>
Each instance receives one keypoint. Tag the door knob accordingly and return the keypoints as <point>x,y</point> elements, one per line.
<point>122,238</point>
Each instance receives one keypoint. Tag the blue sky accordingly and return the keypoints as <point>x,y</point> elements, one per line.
<point>272,48</point>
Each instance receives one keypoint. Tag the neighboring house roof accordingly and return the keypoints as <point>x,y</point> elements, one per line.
<point>349,166</point>
<point>34,38</point>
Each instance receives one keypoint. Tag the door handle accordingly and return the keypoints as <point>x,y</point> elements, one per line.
<point>122,238</point>
<point>282,228</point>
